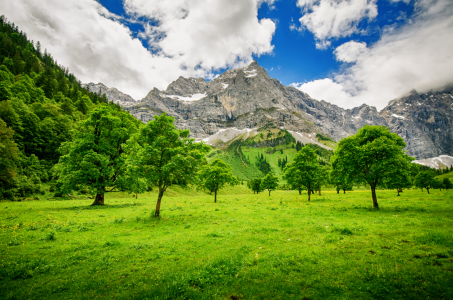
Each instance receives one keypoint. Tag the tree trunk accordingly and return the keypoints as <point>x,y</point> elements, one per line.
<point>135,196</point>
<point>300,192</point>
<point>309,192</point>
<point>269,193</point>
<point>99,200</point>
<point>344,191</point>
<point>398,190</point>
<point>215,196</point>
<point>427,190</point>
<point>338,191</point>
<point>159,199</point>
<point>319,190</point>
<point>373,195</point>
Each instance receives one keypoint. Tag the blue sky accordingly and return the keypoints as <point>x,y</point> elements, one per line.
<point>295,57</point>
<point>347,52</point>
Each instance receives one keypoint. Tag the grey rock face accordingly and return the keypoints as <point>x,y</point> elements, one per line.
<point>247,98</point>
<point>425,121</point>
<point>112,93</point>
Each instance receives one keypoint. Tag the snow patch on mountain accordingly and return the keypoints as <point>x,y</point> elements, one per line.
<point>439,162</point>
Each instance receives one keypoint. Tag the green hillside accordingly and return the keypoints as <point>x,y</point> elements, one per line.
<point>254,155</point>
<point>448,175</point>
<point>41,104</point>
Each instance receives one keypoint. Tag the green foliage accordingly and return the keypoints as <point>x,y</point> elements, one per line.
<point>321,137</point>
<point>372,156</point>
<point>447,183</point>
<point>9,158</point>
<point>425,179</point>
<point>167,155</point>
<point>95,158</point>
<point>263,164</point>
<point>340,178</point>
<point>399,178</point>
<point>215,175</point>
<point>37,99</point>
<point>269,182</point>
<point>299,146</point>
<point>255,185</point>
<point>304,172</point>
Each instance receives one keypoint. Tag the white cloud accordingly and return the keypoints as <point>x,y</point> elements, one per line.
<point>324,89</point>
<point>191,38</point>
<point>350,51</point>
<point>328,19</point>
<point>415,56</point>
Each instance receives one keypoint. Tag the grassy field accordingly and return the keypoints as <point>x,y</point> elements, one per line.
<point>245,246</point>
<point>448,175</point>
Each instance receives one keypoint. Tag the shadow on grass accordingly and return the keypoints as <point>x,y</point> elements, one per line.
<point>97,207</point>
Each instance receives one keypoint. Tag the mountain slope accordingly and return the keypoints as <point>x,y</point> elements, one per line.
<point>247,98</point>
<point>425,121</point>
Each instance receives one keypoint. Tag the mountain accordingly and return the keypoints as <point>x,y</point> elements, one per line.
<point>425,121</point>
<point>248,98</point>
<point>112,94</point>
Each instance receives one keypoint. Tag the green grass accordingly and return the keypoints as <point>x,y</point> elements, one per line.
<point>448,175</point>
<point>272,159</point>
<point>245,246</point>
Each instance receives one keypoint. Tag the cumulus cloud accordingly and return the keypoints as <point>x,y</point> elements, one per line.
<point>415,56</point>
<point>328,19</point>
<point>188,38</point>
<point>208,35</point>
<point>350,51</point>
<point>324,89</point>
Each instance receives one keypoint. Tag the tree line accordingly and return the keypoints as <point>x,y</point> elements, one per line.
<point>53,129</point>
<point>374,157</point>
<point>40,104</point>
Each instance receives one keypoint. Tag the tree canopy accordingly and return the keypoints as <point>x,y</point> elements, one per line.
<point>425,179</point>
<point>269,182</point>
<point>215,175</point>
<point>94,158</point>
<point>255,185</point>
<point>167,155</point>
<point>304,171</point>
<point>371,156</point>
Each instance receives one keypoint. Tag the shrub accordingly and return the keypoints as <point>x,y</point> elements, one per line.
<point>50,236</point>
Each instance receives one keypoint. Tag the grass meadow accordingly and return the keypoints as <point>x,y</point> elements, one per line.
<point>245,246</point>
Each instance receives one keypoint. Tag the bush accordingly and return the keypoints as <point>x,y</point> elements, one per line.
<point>50,236</point>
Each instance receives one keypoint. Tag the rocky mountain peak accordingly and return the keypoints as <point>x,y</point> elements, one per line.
<point>112,93</point>
<point>247,98</point>
<point>186,86</point>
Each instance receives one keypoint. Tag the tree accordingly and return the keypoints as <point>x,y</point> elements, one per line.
<point>256,185</point>
<point>414,169</point>
<point>322,178</point>
<point>95,158</point>
<point>269,182</point>
<point>304,170</point>
<point>447,183</point>
<point>340,179</point>
<point>167,155</point>
<point>437,184</point>
<point>371,156</point>
<point>400,178</point>
<point>9,158</point>
<point>215,175</point>
<point>424,179</point>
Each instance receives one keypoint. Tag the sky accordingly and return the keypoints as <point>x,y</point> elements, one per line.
<point>347,52</point>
